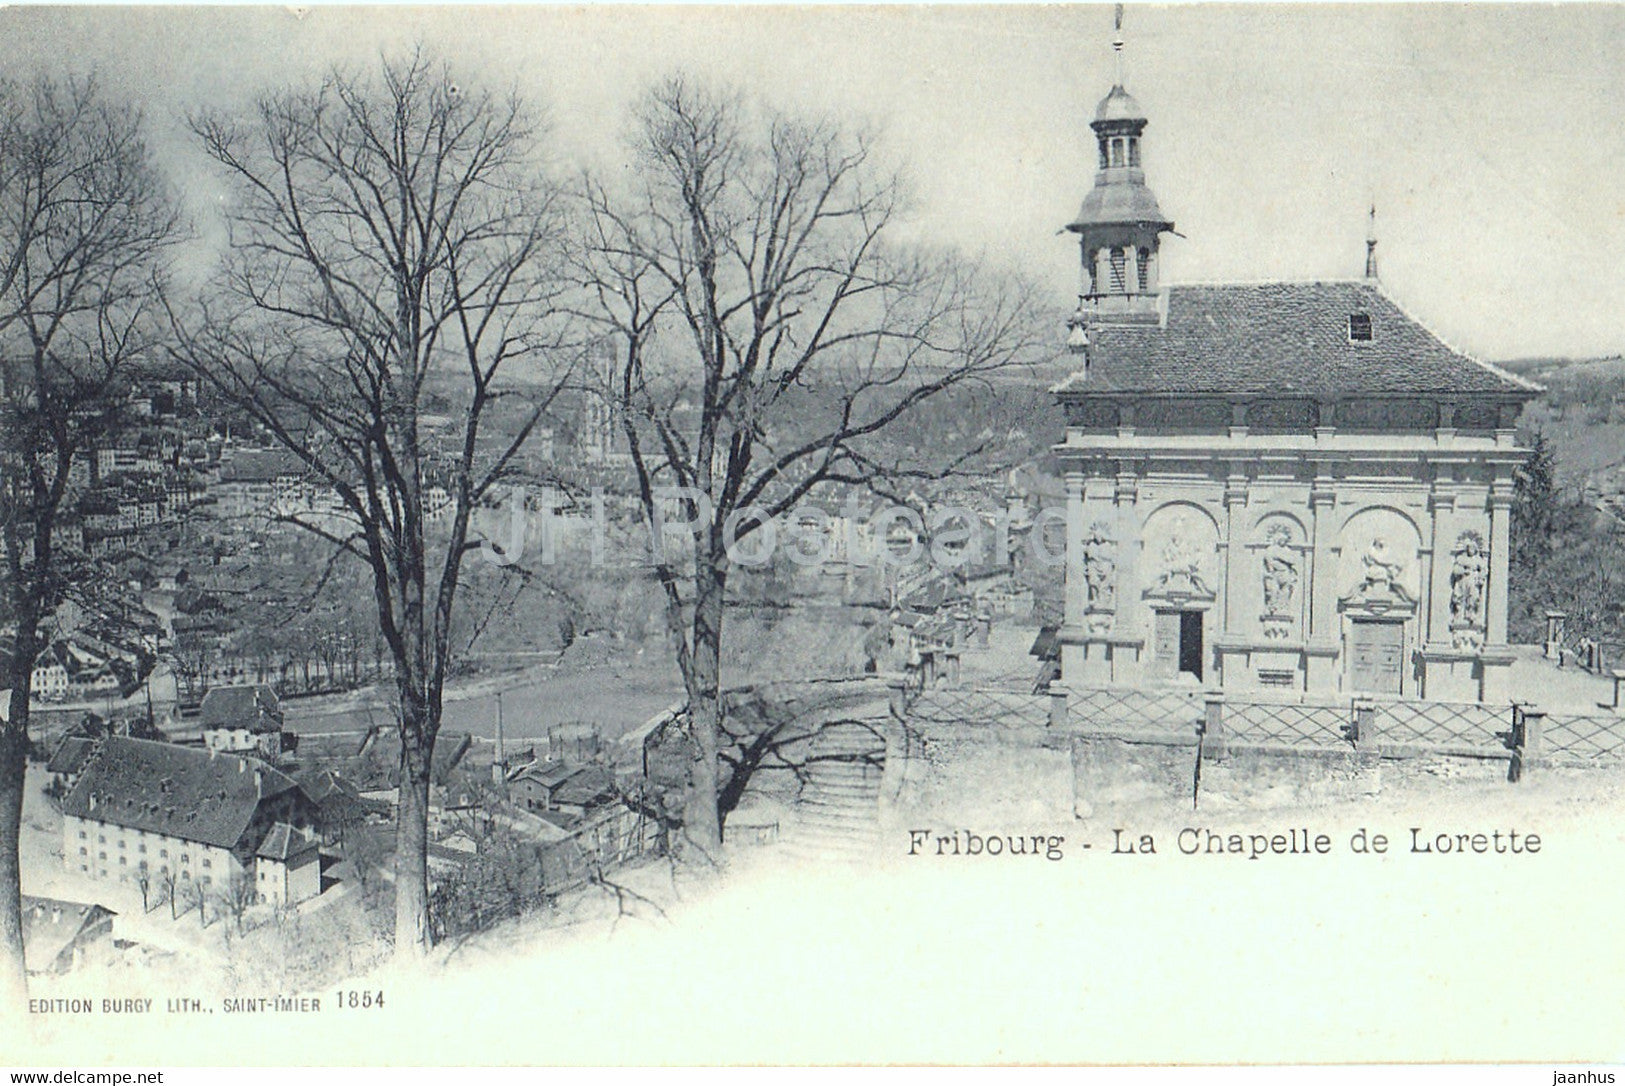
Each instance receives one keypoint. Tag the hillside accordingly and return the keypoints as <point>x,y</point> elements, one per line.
<point>1582,413</point>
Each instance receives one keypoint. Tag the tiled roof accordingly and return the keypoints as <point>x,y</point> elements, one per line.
<point>71,755</point>
<point>548,774</point>
<point>284,843</point>
<point>1283,339</point>
<point>590,785</point>
<point>51,926</point>
<point>260,466</point>
<point>182,792</point>
<point>253,707</point>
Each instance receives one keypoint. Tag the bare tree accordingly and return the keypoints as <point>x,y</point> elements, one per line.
<point>84,225</point>
<point>194,895</point>
<point>394,252</point>
<point>238,897</point>
<point>768,333</point>
<point>166,887</point>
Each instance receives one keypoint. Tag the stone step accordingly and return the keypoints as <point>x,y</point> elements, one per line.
<point>842,774</point>
<point>843,787</point>
<point>869,802</point>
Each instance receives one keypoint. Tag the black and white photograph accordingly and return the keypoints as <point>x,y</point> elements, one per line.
<point>767,534</point>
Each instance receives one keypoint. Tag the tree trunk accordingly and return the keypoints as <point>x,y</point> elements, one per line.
<point>13,766</point>
<point>701,823</point>
<point>13,777</point>
<point>412,935</point>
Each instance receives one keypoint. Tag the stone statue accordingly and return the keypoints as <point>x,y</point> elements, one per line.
<point>1379,569</point>
<point>1182,563</point>
<point>1280,564</point>
<point>1468,576</point>
<point>1100,566</point>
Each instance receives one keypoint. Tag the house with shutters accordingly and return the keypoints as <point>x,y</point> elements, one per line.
<point>144,808</point>
<point>1288,485</point>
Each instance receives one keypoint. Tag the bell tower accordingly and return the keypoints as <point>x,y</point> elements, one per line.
<point>1119,224</point>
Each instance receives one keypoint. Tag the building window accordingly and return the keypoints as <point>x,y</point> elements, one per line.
<point>185,875</point>
<point>1133,151</point>
<point>1117,152</point>
<point>143,865</point>
<point>1359,327</point>
<point>101,838</point>
<point>84,867</point>
<point>123,861</point>
<point>81,835</point>
<point>1119,270</point>
<point>185,859</point>
<point>206,862</point>
<point>1104,161</point>
<point>101,856</point>
<point>1144,266</point>
<point>141,848</point>
<point>82,851</point>
<point>121,842</point>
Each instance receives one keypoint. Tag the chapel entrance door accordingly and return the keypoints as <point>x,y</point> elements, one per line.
<point>1376,656</point>
<point>1190,642</point>
<point>1177,646</point>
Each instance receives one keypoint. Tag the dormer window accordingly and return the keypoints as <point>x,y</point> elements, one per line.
<point>1359,328</point>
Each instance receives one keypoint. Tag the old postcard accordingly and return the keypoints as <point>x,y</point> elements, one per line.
<point>805,535</point>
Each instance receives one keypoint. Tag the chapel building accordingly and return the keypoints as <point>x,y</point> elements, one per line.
<point>1273,485</point>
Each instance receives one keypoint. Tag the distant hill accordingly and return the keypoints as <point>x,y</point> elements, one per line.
<point>1545,369</point>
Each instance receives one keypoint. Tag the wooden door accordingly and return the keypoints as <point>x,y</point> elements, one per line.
<point>1376,656</point>
<point>1165,643</point>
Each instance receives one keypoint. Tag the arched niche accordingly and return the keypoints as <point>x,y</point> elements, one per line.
<point>1380,545</point>
<point>1180,557</point>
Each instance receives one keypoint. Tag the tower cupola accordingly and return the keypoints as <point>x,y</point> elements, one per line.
<point>1120,223</point>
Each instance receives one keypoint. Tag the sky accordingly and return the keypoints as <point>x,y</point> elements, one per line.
<point>1488,136</point>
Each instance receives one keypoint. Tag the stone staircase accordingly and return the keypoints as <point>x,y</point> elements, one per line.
<point>838,812</point>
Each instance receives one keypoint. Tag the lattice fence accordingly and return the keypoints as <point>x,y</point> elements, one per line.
<point>1136,710</point>
<point>1586,738</point>
<point>980,707</point>
<point>1288,724</point>
<point>1443,723</point>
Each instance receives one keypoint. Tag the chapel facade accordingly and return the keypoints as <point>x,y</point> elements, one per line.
<point>1291,486</point>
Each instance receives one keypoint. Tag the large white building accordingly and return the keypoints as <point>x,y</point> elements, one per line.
<point>1286,485</point>
<point>160,810</point>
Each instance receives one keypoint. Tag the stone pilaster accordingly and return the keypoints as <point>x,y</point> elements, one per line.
<point>1442,503</point>
<point>1074,655</point>
<point>1325,634</point>
<point>1234,546</point>
<point>1495,599</point>
<point>1323,564</point>
<point>1076,589</point>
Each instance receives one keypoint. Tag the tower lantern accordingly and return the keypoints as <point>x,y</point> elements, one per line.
<point>1120,224</point>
